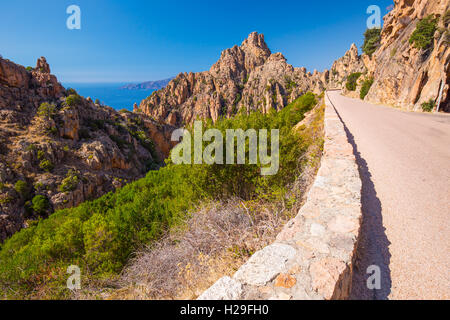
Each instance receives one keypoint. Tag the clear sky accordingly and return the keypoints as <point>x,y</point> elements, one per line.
<point>133,41</point>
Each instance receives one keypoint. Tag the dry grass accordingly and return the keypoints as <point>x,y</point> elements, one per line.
<point>216,240</point>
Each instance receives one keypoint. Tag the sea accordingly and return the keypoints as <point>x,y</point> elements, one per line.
<point>110,94</point>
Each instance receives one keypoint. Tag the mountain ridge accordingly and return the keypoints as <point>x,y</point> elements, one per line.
<point>148,85</point>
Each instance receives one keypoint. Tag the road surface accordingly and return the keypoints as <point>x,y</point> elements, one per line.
<point>404,162</point>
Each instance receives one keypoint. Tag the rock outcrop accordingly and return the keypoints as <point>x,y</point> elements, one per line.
<point>247,77</point>
<point>63,147</point>
<point>350,63</point>
<point>404,76</point>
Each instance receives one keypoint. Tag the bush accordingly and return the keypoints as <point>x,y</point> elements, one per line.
<point>351,81</point>
<point>46,165</point>
<point>428,106</point>
<point>367,84</point>
<point>46,110</point>
<point>422,37</point>
<point>73,100</point>
<point>40,204</point>
<point>372,39</point>
<point>22,188</point>
<point>71,91</point>
<point>29,69</point>
<point>446,18</point>
<point>71,181</point>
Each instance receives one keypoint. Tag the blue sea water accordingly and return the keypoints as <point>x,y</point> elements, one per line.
<point>110,94</point>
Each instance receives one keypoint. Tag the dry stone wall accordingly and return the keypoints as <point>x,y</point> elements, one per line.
<point>313,256</point>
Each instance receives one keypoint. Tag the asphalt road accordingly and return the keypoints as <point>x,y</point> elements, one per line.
<point>404,162</point>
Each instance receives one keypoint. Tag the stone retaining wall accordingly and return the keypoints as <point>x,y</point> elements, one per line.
<point>313,256</point>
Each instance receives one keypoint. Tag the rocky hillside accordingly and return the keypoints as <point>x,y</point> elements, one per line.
<point>58,149</point>
<point>405,73</point>
<point>247,77</point>
<point>350,63</point>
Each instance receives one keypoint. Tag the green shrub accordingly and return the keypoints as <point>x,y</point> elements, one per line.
<point>40,154</point>
<point>40,204</point>
<point>2,186</point>
<point>29,69</point>
<point>352,81</point>
<point>73,100</point>
<point>367,84</point>
<point>71,181</point>
<point>52,131</point>
<point>46,110</point>
<point>422,37</point>
<point>393,52</point>
<point>22,188</point>
<point>446,18</point>
<point>46,165</point>
<point>71,91</point>
<point>31,147</point>
<point>428,106</point>
<point>371,40</point>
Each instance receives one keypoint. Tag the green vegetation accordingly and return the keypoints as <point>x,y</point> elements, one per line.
<point>40,204</point>
<point>290,85</point>
<point>2,186</point>
<point>422,37</point>
<point>71,91</point>
<point>29,69</point>
<point>393,52</point>
<point>428,106</point>
<point>21,188</point>
<point>100,235</point>
<point>446,18</point>
<point>367,84</point>
<point>372,39</point>
<point>40,154</point>
<point>46,165</point>
<point>52,131</point>
<point>70,182</point>
<point>46,110</point>
<point>31,147</point>
<point>351,81</point>
<point>73,100</point>
<point>237,99</point>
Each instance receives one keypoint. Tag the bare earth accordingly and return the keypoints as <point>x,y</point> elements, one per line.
<point>404,162</point>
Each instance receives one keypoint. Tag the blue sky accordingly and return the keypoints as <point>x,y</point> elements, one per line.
<point>133,41</point>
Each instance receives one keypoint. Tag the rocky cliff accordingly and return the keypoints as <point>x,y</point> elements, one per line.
<point>245,77</point>
<point>58,149</point>
<point>404,75</point>
<point>350,63</point>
